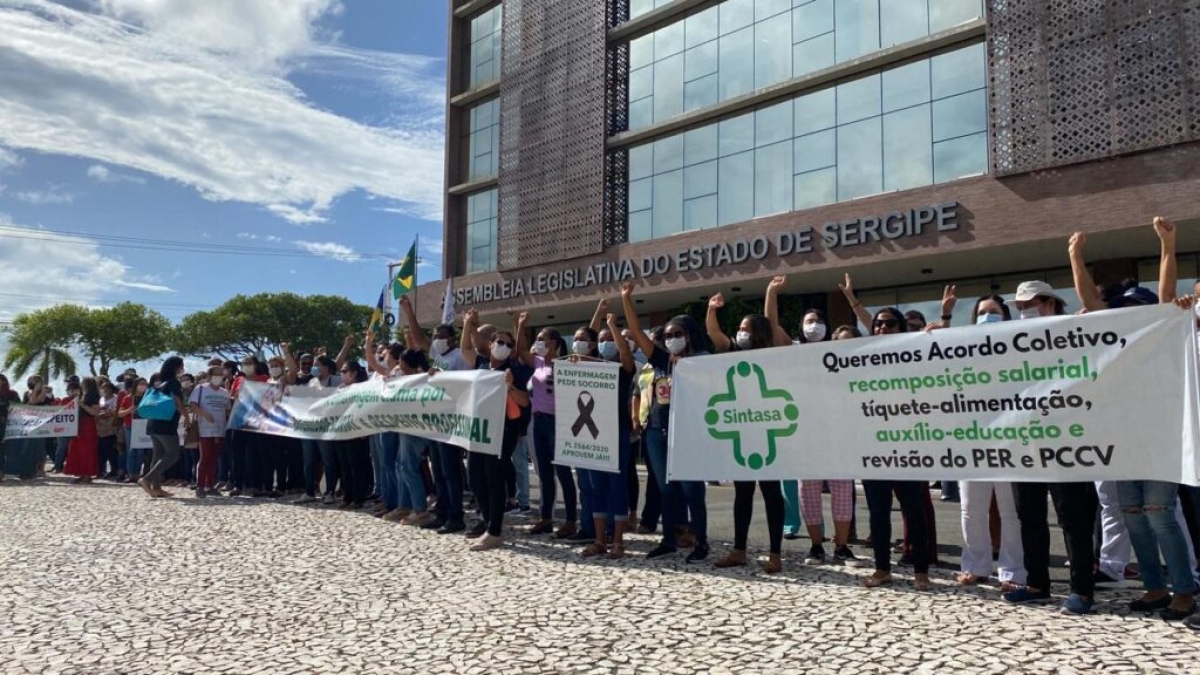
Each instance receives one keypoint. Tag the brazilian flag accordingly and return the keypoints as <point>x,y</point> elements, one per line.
<point>406,278</point>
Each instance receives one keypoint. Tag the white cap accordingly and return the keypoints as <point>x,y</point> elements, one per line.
<point>1028,290</point>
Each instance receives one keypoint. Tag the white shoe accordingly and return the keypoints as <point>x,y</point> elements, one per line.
<point>488,543</point>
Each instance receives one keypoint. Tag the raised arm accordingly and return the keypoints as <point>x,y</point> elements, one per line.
<point>771,311</point>
<point>949,300</point>
<point>719,338</point>
<point>523,353</point>
<point>643,341</point>
<point>1168,273</point>
<point>1085,286</point>
<point>598,318</point>
<point>372,362</point>
<point>416,335</point>
<point>623,349</point>
<point>470,330</point>
<point>343,355</point>
<point>864,317</point>
<point>289,363</point>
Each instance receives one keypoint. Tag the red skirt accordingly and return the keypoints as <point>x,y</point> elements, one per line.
<point>83,455</point>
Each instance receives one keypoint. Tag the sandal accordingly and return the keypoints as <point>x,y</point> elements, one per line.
<point>968,579</point>
<point>921,582</point>
<point>617,552</point>
<point>593,549</point>
<point>773,565</point>
<point>878,580</point>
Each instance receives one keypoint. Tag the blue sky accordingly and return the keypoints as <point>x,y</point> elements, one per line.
<point>306,132</point>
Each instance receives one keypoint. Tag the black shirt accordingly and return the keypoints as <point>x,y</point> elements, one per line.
<point>521,375</point>
<point>660,388</point>
<point>173,389</point>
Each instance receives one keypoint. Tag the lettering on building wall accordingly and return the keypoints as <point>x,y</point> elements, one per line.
<point>891,226</point>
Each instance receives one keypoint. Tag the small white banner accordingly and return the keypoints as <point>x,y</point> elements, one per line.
<point>585,409</point>
<point>464,408</point>
<point>1110,395</point>
<point>42,421</point>
<point>139,438</point>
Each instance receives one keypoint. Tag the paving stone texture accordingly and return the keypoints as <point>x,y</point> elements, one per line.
<point>101,579</point>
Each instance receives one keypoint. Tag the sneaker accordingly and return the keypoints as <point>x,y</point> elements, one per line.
<point>488,543</point>
<point>582,536</point>
<point>524,510</point>
<point>328,500</point>
<point>1103,579</point>
<point>700,552</point>
<point>306,499</point>
<point>1024,595</point>
<point>477,531</point>
<point>237,492</point>
<point>1076,604</point>
<point>816,556</point>
<point>434,523</point>
<point>201,494</point>
<point>846,557</point>
<point>452,527</point>
<point>791,536</point>
<point>660,551</point>
<point>1193,621</point>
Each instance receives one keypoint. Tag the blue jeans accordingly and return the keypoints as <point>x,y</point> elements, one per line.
<point>1149,510</point>
<point>610,491</point>
<point>332,468</point>
<point>223,464</point>
<point>678,497</point>
<point>60,453</point>
<point>311,451</point>
<point>520,460</point>
<point>386,472</point>
<point>547,470</point>
<point>446,461</point>
<point>587,484</point>
<point>376,444</point>
<point>409,479</point>
<point>133,456</point>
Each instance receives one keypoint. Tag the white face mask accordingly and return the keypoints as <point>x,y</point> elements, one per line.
<point>743,339</point>
<point>988,318</point>
<point>501,352</point>
<point>441,346</point>
<point>676,345</point>
<point>814,332</point>
<point>539,348</point>
<point>581,347</point>
<point>276,372</point>
<point>217,380</point>
<point>1030,313</point>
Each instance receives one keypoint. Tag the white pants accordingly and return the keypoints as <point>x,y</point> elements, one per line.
<point>977,537</point>
<point>1115,548</point>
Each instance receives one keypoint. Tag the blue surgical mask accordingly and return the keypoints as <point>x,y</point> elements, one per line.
<point>988,318</point>
<point>315,371</point>
<point>608,349</point>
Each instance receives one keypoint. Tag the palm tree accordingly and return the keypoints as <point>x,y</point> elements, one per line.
<point>48,361</point>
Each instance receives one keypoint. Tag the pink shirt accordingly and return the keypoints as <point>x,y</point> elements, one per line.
<point>541,387</point>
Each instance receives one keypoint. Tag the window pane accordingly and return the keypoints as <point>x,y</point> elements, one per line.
<point>857,23</point>
<point>773,124</point>
<point>735,198</point>
<point>773,179</point>
<point>815,111</point>
<point>966,156</point>
<point>960,115</point>
<point>640,194</point>
<point>641,83</point>
<point>768,8</point>
<point>735,14</point>
<point>641,161</point>
<point>641,226</point>
<point>907,149</point>
<point>700,213</point>
<point>668,203</point>
<point>668,40</point>
<point>481,259</point>
<point>639,7</point>
<point>641,113</point>
<point>737,134</point>
<point>668,87</point>
<point>772,50</point>
<point>815,151</point>
<point>737,63</point>
<point>700,180</point>
<point>641,52</point>
<point>700,145</point>
<point>945,14</point>
<point>485,47</point>
<point>812,55</point>
<point>958,71</point>
<point>815,188</point>
<point>700,28</point>
<point>812,19</point>
<point>700,93</point>
<point>860,164</point>
<point>668,154</point>
<point>858,99</point>
<point>904,20</point>
<point>905,86</point>
<point>700,61</point>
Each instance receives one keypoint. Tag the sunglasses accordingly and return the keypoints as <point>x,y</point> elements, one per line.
<point>503,343</point>
<point>889,323</point>
<point>674,335</point>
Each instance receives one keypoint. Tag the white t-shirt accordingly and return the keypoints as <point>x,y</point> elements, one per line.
<point>215,402</point>
<point>451,360</point>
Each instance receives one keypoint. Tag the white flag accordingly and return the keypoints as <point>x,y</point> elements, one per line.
<point>448,303</point>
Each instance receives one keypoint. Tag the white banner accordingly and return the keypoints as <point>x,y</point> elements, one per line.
<point>585,410</point>
<point>1105,396</point>
<point>42,421</point>
<point>465,408</point>
<point>139,437</point>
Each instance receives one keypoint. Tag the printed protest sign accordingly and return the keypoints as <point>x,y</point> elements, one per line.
<point>585,405</point>
<point>1105,396</point>
<point>139,437</point>
<point>465,408</point>
<point>42,421</point>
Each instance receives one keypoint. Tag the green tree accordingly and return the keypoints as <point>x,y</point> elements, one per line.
<point>49,362</point>
<point>258,324</point>
<point>39,340</point>
<point>126,332</point>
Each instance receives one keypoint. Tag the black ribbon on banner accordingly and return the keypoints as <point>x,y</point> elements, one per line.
<point>586,405</point>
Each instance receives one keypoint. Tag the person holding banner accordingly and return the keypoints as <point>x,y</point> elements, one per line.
<point>354,455</point>
<point>83,455</point>
<point>756,331</point>
<point>487,471</point>
<point>682,338</point>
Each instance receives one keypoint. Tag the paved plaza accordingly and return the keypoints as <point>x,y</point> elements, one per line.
<point>100,579</point>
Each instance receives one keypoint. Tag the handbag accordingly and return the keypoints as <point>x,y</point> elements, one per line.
<point>156,405</point>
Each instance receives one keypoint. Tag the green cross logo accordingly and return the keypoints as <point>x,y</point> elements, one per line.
<point>751,415</point>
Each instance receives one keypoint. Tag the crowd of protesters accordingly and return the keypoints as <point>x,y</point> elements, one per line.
<point>436,486</point>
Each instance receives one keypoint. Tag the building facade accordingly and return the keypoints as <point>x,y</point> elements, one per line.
<point>697,146</point>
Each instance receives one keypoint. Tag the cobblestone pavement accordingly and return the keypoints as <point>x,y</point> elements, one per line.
<point>100,579</point>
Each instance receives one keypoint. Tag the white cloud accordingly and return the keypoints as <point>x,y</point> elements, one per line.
<point>51,196</point>
<point>9,159</point>
<point>331,250</point>
<point>102,174</point>
<point>258,237</point>
<point>195,92</point>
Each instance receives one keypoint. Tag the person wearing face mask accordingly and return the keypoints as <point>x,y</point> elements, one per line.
<point>125,412</point>
<point>487,471</point>
<point>354,455</point>
<point>584,346</point>
<point>210,404</point>
<point>164,434</point>
<point>682,339</point>
<point>409,479</point>
<point>318,454</point>
<point>812,329</point>
<point>1076,503</point>
<point>754,332</point>
<point>640,410</point>
<point>547,347</point>
<point>635,438</point>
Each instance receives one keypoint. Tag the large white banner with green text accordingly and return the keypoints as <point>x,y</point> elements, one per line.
<point>1104,396</point>
<point>465,408</point>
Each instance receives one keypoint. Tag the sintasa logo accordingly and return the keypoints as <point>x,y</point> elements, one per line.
<point>752,415</point>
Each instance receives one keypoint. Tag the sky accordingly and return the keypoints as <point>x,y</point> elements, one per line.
<point>177,152</point>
